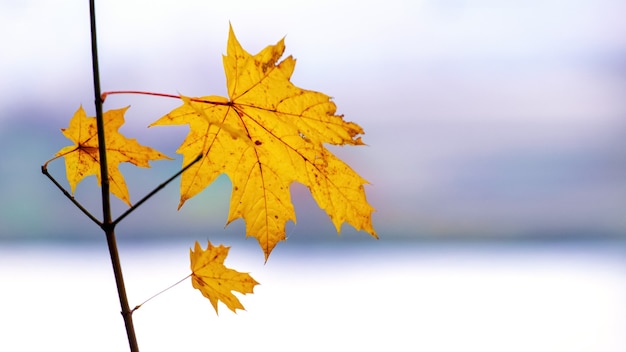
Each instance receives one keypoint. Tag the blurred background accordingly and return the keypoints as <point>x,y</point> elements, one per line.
<point>496,154</point>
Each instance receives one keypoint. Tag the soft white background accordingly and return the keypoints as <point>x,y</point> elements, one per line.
<point>323,297</point>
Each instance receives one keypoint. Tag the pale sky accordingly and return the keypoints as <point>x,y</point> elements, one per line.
<point>481,117</point>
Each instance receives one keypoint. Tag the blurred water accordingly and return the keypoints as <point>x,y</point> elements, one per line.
<point>371,295</point>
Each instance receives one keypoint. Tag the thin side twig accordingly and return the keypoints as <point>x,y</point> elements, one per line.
<point>154,191</point>
<point>44,170</point>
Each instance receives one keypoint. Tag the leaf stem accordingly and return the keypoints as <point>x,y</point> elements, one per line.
<point>165,95</point>
<point>160,292</point>
<point>107,225</point>
<point>106,94</point>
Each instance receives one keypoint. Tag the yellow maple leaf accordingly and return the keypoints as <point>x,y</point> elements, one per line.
<point>215,280</point>
<point>266,135</point>
<point>83,159</point>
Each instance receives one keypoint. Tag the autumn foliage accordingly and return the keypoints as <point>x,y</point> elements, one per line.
<point>214,279</point>
<point>82,159</point>
<point>267,134</point>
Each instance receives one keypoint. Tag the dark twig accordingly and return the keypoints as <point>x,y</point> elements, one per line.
<point>154,191</point>
<point>107,224</point>
<point>44,170</point>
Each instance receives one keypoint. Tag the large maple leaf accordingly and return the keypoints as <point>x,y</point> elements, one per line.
<point>266,135</point>
<point>83,159</point>
<point>215,280</point>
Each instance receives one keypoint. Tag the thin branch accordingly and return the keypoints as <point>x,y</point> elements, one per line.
<point>44,170</point>
<point>154,191</point>
<point>107,225</point>
<point>160,292</point>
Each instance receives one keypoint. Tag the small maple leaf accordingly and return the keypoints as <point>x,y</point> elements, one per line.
<point>83,159</point>
<point>215,280</point>
<point>266,135</point>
